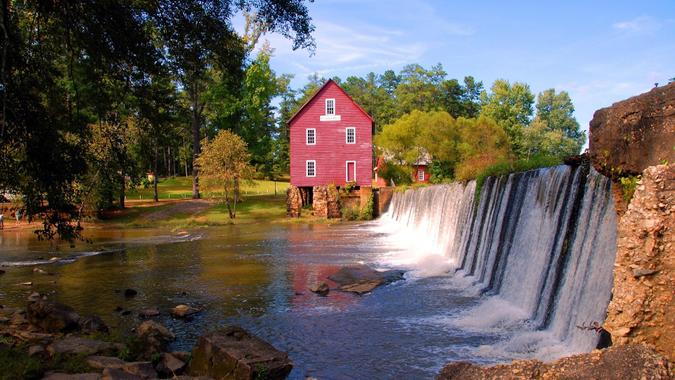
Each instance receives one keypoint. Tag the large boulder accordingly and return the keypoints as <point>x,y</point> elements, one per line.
<point>642,309</point>
<point>155,337</point>
<point>634,133</point>
<point>234,353</point>
<point>77,345</point>
<point>616,363</point>
<point>52,317</point>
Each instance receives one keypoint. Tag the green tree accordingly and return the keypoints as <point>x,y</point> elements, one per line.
<point>483,143</point>
<point>554,131</point>
<point>224,161</point>
<point>510,105</point>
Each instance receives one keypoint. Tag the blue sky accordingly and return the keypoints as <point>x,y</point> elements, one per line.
<point>598,51</point>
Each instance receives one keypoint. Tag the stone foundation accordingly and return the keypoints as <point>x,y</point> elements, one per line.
<point>293,202</point>
<point>326,202</point>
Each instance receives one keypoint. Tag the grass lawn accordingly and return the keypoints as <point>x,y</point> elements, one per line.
<point>177,210</point>
<point>181,188</point>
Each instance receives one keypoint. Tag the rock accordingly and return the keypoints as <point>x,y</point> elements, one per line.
<point>183,311</point>
<point>154,336</point>
<point>149,312</point>
<point>362,287</point>
<point>36,350</point>
<point>129,293</point>
<point>76,345</point>
<point>321,289</point>
<point>169,365</point>
<point>181,355</point>
<point>52,316</point>
<point>615,363</point>
<point>118,374</point>
<point>641,309</point>
<point>639,272</point>
<point>144,370</point>
<point>2,272</point>
<point>101,362</point>
<point>362,279</point>
<point>93,324</point>
<point>35,296</point>
<point>635,133</point>
<point>71,376</point>
<point>28,283</point>
<point>32,337</point>
<point>40,271</point>
<point>233,353</point>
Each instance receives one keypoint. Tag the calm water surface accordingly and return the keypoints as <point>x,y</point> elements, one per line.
<point>257,277</point>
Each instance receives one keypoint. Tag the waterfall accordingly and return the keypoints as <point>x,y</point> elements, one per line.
<point>540,243</point>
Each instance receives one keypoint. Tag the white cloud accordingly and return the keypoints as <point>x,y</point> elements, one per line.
<point>642,24</point>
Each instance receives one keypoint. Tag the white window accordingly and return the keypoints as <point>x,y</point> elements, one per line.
<point>310,136</point>
<point>420,175</point>
<point>330,106</point>
<point>310,168</point>
<point>350,135</point>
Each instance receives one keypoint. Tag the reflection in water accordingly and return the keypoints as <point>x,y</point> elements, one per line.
<point>257,277</point>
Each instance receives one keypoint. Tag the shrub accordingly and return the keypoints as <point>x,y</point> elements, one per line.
<point>401,175</point>
<point>350,213</point>
<point>367,210</point>
<point>628,186</point>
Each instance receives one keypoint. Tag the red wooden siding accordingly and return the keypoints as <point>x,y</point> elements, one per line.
<point>416,169</point>
<point>331,151</point>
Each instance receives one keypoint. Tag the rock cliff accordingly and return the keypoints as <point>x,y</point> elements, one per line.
<point>642,309</point>
<point>634,133</point>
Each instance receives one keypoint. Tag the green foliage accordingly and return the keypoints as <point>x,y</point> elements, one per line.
<point>554,131</point>
<point>224,161</point>
<point>510,105</point>
<point>628,186</point>
<point>366,212</point>
<point>504,167</point>
<point>399,174</point>
<point>16,364</point>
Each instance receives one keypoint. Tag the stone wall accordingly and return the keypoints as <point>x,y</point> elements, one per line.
<point>634,133</point>
<point>642,309</point>
<point>384,199</point>
<point>293,202</point>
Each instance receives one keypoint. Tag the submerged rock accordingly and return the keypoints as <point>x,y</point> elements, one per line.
<point>616,363</point>
<point>118,374</point>
<point>93,324</point>
<point>321,289</point>
<point>184,311</point>
<point>361,279</point>
<point>234,353</point>
<point>149,312</point>
<point>129,293</point>
<point>52,317</point>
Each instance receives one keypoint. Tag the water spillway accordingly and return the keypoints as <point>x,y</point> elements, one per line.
<point>538,245</point>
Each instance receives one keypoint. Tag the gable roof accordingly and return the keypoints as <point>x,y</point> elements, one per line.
<point>317,93</point>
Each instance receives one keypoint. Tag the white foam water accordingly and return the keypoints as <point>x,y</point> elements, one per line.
<point>538,245</point>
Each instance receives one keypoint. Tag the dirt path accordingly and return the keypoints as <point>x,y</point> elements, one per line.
<point>191,207</point>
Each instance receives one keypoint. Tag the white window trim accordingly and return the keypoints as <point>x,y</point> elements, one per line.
<point>420,171</point>
<point>347,135</point>
<point>307,136</point>
<point>347,170</point>
<point>325,109</point>
<point>307,167</point>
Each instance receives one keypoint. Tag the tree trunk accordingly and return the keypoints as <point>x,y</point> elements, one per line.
<point>154,177</point>
<point>122,190</point>
<point>196,143</point>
